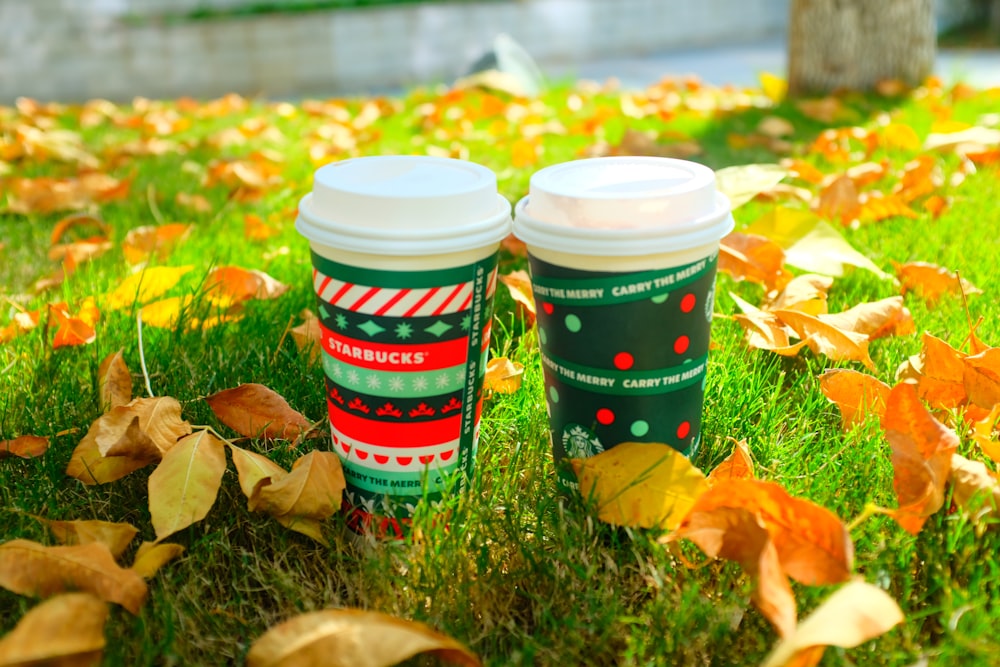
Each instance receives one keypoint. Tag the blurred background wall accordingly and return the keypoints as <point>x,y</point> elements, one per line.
<point>71,50</point>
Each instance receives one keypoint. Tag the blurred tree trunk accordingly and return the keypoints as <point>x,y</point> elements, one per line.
<point>854,44</point>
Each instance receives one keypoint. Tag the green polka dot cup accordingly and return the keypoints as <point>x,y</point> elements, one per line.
<point>623,255</point>
<point>404,269</point>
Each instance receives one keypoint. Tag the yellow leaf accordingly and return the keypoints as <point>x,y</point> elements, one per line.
<point>648,485</point>
<point>130,427</point>
<point>886,317</point>
<point>115,536</point>
<point>805,293</point>
<point>65,631</point>
<point>352,638</point>
<point>823,338</point>
<point>90,466</point>
<point>744,182</point>
<point>900,136</point>
<point>145,286</point>
<point>252,468</point>
<point>503,376</point>
<point>738,465</point>
<point>976,489</point>
<point>185,484</point>
<point>774,86</point>
<point>151,556</point>
<point>165,312</point>
<point>313,489</point>
<point>29,568</point>
<point>854,614</point>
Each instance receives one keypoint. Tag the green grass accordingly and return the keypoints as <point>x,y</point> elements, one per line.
<point>523,576</point>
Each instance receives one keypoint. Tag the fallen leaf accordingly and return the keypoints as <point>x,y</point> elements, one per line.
<point>942,375</point>
<point>127,428</point>
<point>855,613</point>
<point>252,468</point>
<point>228,285</point>
<point>876,319</point>
<point>148,242</point>
<point>48,195</point>
<point>25,446</point>
<point>308,336</point>
<point>75,330</point>
<point>811,243</point>
<point>738,465</point>
<point>977,137</point>
<point>981,378</point>
<point>313,490</point>
<point>518,283</point>
<point>352,638</point>
<point>740,535</point>
<point>196,203</point>
<point>931,282</point>
<point>858,395</point>
<point>165,313</point>
<point>813,545</point>
<point>29,568</point>
<point>976,490</point>
<point>65,631</point>
<point>640,484</point>
<point>826,339</point>
<point>253,410</point>
<point>900,136</point>
<point>805,293</point>
<point>775,126</point>
<point>744,182</point>
<point>115,536</point>
<point>114,381</point>
<point>145,286</point>
<point>764,331</point>
<point>839,201</point>
<point>982,433</point>
<point>151,556</point>
<point>876,206</point>
<point>185,484</point>
<point>921,456</point>
<point>502,376</point>
<point>754,258</point>
<point>88,465</point>
<point>255,229</point>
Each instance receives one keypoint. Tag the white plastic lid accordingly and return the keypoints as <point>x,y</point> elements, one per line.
<point>404,205</point>
<point>623,206</point>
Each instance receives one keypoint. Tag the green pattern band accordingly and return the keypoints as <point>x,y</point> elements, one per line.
<point>400,279</point>
<point>398,483</point>
<point>620,288</point>
<point>631,382</point>
<point>393,384</point>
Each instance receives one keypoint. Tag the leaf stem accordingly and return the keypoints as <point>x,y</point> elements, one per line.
<point>868,512</point>
<point>142,354</point>
<point>153,208</point>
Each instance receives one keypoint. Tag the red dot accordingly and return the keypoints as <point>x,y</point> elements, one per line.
<point>681,344</point>
<point>547,307</point>
<point>605,416</point>
<point>688,303</point>
<point>624,361</point>
<point>683,430</point>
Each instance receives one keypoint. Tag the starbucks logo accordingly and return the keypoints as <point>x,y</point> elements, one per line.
<point>580,442</point>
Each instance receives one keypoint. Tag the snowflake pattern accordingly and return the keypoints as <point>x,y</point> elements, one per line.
<point>442,381</point>
<point>341,321</point>
<point>337,371</point>
<point>460,375</point>
<point>420,383</point>
<point>396,383</point>
<point>404,330</point>
<point>352,377</point>
<point>373,382</point>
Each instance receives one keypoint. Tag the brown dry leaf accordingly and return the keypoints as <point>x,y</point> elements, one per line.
<point>30,568</point>
<point>764,331</point>
<point>839,201</point>
<point>228,285</point>
<point>826,339</point>
<point>738,465</point>
<point>115,536</point>
<point>151,556</point>
<point>197,203</point>
<point>255,229</point>
<point>876,319</point>
<point>20,323</point>
<point>114,381</point>
<point>740,535</point>
<point>25,446</point>
<point>185,484</point>
<point>942,375</point>
<point>148,284</point>
<point>824,109</point>
<point>253,468</point>
<point>982,433</point>
<point>976,489</point>
<point>352,638</point>
<point>88,465</point>
<point>982,378</point>
<point>519,285</point>
<point>143,243</point>
<point>854,614</point>
<point>312,490</point>
<point>754,258</point>
<point>75,329</point>
<point>514,246</point>
<point>48,195</point>
<point>253,410</point>
<point>931,282</point>
<point>130,427</point>
<point>858,395</point>
<point>640,484</point>
<point>813,545</point>
<point>63,631</point>
<point>805,293</point>
<point>921,456</point>
<point>308,336</point>
<point>646,143</point>
<point>502,376</point>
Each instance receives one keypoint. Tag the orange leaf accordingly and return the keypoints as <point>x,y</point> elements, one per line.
<point>738,465</point>
<point>886,317</point>
<point>858,395</point>
<point>921,456</point>
<point>764,331</point>
<point>228,285</point>
<point>982,378</point>
<point>255,229</point>
<point>876,206</point>
<point>823,338</point>
<point>740,535</point>
<point>524,153</point>
<point>196,203</point>
<point>931,282</point>
<point>253,410</point>
<point>942,376</point>
<point>502,376</point>
<point>813,545</point>
<point>920,177</point>
<point>805,293</point>
<point>78,330</point>
<point>839,201</point>
<point>29,568</point>
<point>114,381</point>
<point>132,428</point>
<point>143,243</point>
<point>976,489</point>
<point>936,205</point>
<point>79,220</point>
<point>754,258</point>
<point>308,336</point>
<point>25,446</point>
<point>982,433</point>
<point>519,285</point>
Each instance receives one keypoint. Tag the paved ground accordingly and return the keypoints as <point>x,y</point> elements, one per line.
<point>740,64</point>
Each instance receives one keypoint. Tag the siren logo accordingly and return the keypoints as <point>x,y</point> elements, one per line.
<point>580,442</point>
<point>379,356</point>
